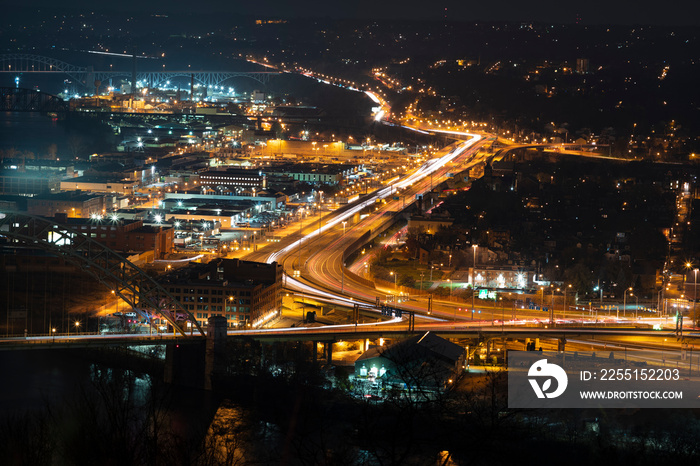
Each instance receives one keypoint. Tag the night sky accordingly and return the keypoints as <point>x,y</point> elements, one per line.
<point>669,12</point>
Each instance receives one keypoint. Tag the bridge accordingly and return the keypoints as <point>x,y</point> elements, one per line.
<point>28,100</point>
<point>125,279</point>
<point>374,331</point>
<point>568,148</point>
<point>16,63</point>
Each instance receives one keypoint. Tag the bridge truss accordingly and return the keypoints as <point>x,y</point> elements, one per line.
<point>26,63</point>
<point>128,281</point>
<point>29,100</point>
<point>205,78</point>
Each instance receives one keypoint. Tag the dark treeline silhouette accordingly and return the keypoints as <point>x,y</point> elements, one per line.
<point>279,413</point>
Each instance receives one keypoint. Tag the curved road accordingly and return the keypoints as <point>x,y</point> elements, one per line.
<point>319,264</point>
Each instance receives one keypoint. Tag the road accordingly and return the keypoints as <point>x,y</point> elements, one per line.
<point>588,339</point>
<point>313,257</point>
<point>313,260</point>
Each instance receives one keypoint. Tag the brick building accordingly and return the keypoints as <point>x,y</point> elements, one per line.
<point>72,203</point>
<point>247,293</point>
<point>126,236</point>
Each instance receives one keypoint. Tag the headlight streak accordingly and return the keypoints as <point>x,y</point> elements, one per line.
<point>429,167</point>
<point>425,170</point>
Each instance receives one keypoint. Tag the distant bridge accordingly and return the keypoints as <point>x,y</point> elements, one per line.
<point>16,63</point>
<point>29,100</point>
<point>125,279</point>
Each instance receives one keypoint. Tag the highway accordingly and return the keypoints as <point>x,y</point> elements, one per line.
<point>313,258</point>
<point>577,338</point>
<point>313,261</point>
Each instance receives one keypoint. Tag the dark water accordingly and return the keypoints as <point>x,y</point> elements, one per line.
<point>83,411</point>
<point>33,379</point>
<point>31,132</point>
<point>35,132</point>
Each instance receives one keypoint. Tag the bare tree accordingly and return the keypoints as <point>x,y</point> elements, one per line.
<point>52,151</point>
<point>76,145</point>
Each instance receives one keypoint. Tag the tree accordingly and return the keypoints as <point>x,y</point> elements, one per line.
<point>580,276</point>
<point>413,242</point>
<point>382,256</point>
<point>234,108</point>
<point>277,129</point>
<point>52,151</point>
<point>76,145</point>
<point>648,243</point>
<point>406,280</point>
<point>446,236</point>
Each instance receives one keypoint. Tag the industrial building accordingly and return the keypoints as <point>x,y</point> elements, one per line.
<point>100,184</point>
<point>232,178</point>
<point>25,183</point>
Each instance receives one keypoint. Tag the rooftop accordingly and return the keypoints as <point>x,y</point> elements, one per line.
<point>99,179</point>
<point>77,196</point>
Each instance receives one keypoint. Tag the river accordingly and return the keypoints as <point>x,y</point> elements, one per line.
<point>35,132</point>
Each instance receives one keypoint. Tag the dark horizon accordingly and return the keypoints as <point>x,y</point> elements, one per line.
<point>597,12</point>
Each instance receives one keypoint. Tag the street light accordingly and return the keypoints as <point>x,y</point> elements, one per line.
<point>551,311</point>
<point>449,284</point>
<point>503,314</point>
<point>474,246</point>
<point>695,293</point>
<point>624,310</point>
<point>117,298</point>
<point>624,303</point>
<point>77,326</point>
<point>392,273</point>
<point>53,333</point>
<point>566,288</point>
<point>551,319</point>
<point>542,302</point>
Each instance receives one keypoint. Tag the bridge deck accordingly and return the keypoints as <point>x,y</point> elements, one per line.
<point>335,333</point>
<point>92,341</point>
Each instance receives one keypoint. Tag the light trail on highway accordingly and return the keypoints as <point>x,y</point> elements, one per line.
<point>322,284</point>
<point>426,169</point>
